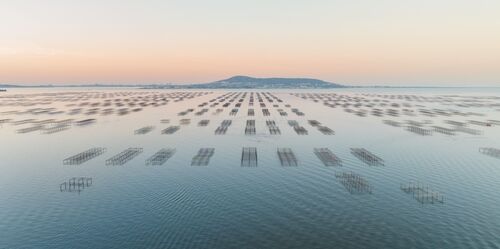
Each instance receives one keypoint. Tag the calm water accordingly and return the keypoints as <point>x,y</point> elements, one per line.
<point>224,205</point>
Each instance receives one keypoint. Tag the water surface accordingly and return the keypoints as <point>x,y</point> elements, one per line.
<point>224,205</point>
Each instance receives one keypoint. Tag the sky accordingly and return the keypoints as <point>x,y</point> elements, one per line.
<point>354,42</point>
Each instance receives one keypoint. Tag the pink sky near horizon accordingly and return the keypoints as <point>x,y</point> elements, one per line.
<point>364,43</point>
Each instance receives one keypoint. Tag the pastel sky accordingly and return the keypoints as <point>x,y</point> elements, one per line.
<point>357,42</point>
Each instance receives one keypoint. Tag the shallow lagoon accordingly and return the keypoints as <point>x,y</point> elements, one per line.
<point>224,205</point>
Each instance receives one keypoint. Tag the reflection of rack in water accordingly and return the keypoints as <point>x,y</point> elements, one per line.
<point>217,111</point>
<point>354,183</point>
<point>493,152</point>
<point>495,122</point>
<point>327,157</point>
<point>160,157</point>
<point>85,122</point>
<point>84,156</point>
<point>250,128</point>
<point>287,157</point>
<point>30,129</point>
<point>4,121</point>
<point>124,156</point>
<point>422,194</point>
<point>222,129</point>
<point>297,112</point>
<point>480,123</point>
<point>455,123</point>
<point>199,113</point>
<point>204,122</point>
<point>24,121</point>
<point>468,130</point>
<point>419,130</point>
<point>314,123</point>
<point>203,157</point>
<point>325,130</point>
<point>282,113</point>
<point>273,128</point>
<point>75,184</point>
<point>367,157</point>
<point>300,130</point>
<point>249,157</point>
<point>444,130</point>
<point>143,130</point>
<point>185,121</point>
<point>392,123</point>
<point>293,123</point>
<point>233,112</point>
<point>57,126</point>
<point>170,130</point>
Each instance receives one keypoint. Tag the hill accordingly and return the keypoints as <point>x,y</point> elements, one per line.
<point>246,82</point>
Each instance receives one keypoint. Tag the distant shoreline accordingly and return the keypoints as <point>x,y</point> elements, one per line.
<point>4,87</point>
<point>239,82</point>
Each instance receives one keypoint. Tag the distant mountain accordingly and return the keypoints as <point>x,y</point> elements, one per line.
<point>236,82</point>
<point>245,82</point>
